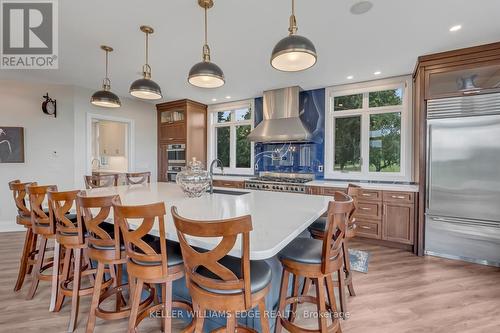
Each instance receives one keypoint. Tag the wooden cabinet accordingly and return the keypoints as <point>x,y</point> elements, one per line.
<point>229,183</point>
<point>398,223</point>
<point>388,216</point>
<point>181,122</point>
<point>175,132</point>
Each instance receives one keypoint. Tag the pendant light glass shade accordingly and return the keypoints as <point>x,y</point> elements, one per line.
<point>145,88</point>
<point>293,53</point>
<point>206,74</point>
<point>106,98</point>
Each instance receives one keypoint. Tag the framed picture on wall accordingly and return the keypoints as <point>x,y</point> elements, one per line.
<point>11,144</point>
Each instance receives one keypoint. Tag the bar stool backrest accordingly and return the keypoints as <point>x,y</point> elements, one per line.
<point>40,219</point>
<point>97,181</point>
<point>60,204</point>
<point>92,212</point>
<point>338,216</point>
<point>134,178</point>
<point>19,193</point>
<point>228,230</point>
<point>354,191</point>
<point>136,247</point>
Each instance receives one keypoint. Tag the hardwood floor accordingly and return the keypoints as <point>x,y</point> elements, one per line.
<point>400,293</point>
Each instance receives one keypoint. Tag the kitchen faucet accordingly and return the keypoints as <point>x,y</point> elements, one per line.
<point>98,163</point>
<point>214,162</point>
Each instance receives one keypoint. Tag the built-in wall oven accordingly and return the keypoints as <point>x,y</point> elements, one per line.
<point>176,154</point>
<point>176,160</point>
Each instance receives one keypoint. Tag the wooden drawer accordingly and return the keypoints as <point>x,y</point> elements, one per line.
<point>399,197</point>
<point>315,190</point>
<point>229,183</point>
<point>370,195</point>
<point>331,190</point>
<point>371,210</point>
<point>368,229</point>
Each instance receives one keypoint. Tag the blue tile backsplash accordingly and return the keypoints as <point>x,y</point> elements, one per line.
<point>296,157</point>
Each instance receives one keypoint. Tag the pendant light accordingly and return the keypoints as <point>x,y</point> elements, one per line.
<point>206,74</point>
<point>293,53</point>
<point>146,88</point>
<point>105,97</point>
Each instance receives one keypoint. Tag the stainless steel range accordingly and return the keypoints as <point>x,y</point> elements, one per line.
<point>280,182</point>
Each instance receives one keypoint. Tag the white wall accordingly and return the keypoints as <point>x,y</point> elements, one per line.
<point>55,148</point>
<point>144,118</point>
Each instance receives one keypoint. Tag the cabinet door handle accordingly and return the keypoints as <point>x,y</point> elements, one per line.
<point>367,194</point>
<point>365,208</point>
<point>398,197</point>
<point>364,227</point>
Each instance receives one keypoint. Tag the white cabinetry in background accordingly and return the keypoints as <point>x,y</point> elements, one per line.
<point>112,138</point>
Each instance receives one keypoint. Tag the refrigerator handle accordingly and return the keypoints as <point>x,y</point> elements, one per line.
<point>429,171</point>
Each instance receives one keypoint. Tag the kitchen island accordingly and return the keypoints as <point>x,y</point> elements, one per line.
<point>277,219</point>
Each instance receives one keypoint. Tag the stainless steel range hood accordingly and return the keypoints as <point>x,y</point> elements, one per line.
<point>281,121</point>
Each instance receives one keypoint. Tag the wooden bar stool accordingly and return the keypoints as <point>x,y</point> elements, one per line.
<point>154,262</point>
<point>69,236</point>
<point>317,260</point>
<point>220,282</point>
<point>134,178</point>
<point>104,247</point>
<point>23,218</point>
<point>318,231</point>
<point>44,229</point>
<point>98,181</point>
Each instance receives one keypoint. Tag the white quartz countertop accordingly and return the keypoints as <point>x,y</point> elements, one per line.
<point>108,171</point>
<point>277,217</point>
<point>233,178</point>
<point>370,186</point>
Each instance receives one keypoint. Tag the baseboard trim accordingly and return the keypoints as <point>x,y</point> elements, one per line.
<point>10,226</point>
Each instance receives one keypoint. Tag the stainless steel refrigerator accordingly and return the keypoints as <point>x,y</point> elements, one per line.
<point>463,178</point>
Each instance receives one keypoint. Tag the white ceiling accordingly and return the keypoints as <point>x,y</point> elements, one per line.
<point>389,38</point>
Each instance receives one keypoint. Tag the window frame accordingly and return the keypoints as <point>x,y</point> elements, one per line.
<point>212,135</point>
<point>403,82</point>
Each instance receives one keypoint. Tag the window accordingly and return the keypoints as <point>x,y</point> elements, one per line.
<point>230,124</point>
<point>367,131</point>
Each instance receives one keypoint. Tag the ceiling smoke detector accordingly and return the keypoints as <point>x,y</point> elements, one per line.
<point>361,7</point>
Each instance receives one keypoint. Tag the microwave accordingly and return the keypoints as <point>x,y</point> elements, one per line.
<point>176,153</point>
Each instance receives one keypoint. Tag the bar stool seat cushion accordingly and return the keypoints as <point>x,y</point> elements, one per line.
<point>260,274</point>
<point>174,254</point>
<point>319,224</point>
<point>303,250</point>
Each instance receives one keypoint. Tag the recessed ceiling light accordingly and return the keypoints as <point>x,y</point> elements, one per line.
<point>214,99</point>
<point>455,28</point>
<point>350,77</point>
<point>361,7</point>
<point>377,73</point>
<point>228,97</point>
